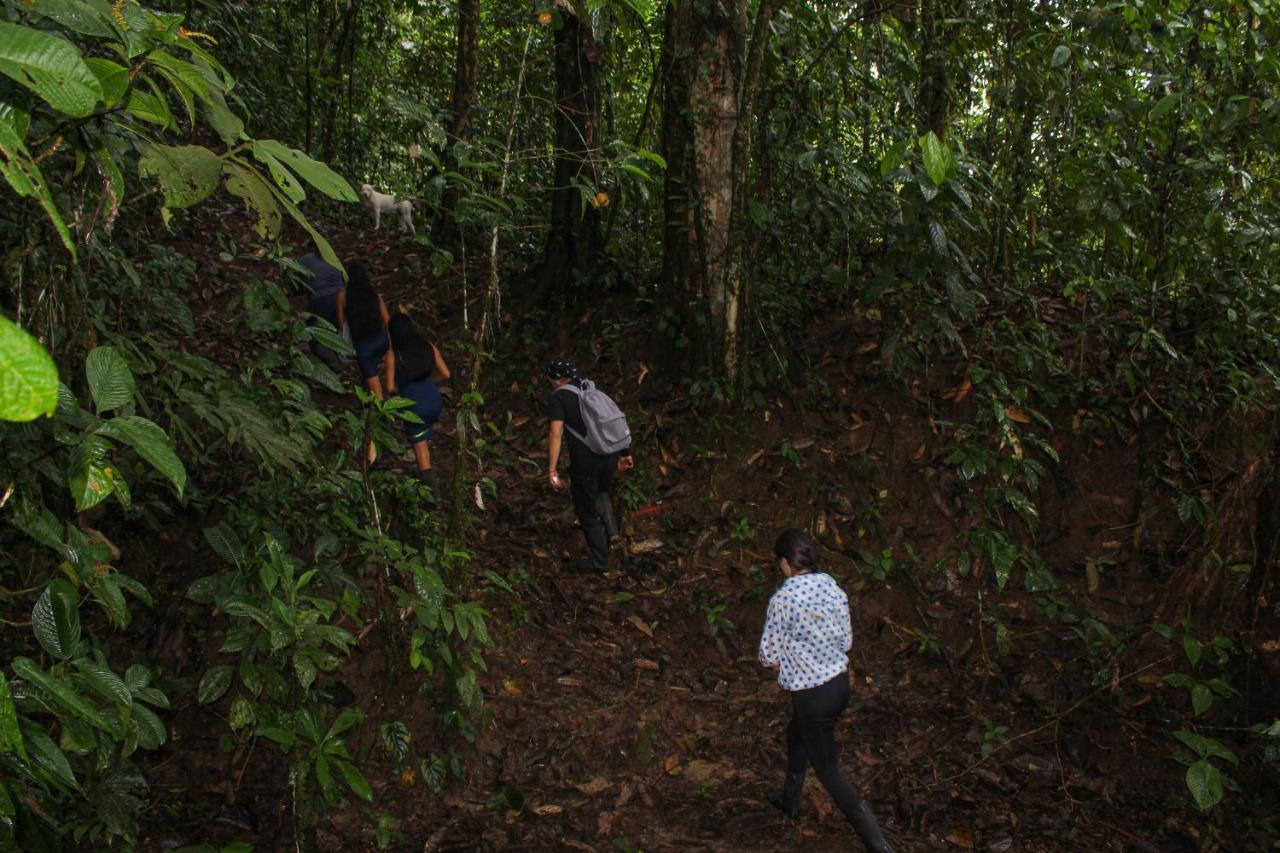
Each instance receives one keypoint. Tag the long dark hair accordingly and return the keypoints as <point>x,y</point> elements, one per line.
<point>798,549</point>
<point>362,303</point>
<point>414,357</point>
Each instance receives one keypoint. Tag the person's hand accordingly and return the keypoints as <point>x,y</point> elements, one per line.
<point>553,477</point>
<point>626,463</point>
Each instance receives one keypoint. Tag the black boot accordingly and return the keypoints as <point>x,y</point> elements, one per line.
<point>864,823</point>
<point>428,478</point>
<point>788,802</point>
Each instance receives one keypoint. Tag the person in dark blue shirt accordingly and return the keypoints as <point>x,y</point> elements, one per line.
<point>323,288</point>
<point>362,309</point>
<point>417,367</point>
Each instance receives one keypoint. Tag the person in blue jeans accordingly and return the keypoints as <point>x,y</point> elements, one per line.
<point>806,637</point>
<point>416,368</point>
<point>362,309</point>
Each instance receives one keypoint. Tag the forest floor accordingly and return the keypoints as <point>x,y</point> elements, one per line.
<point>628,710</point>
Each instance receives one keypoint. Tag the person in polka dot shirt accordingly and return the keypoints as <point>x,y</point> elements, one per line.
<point>806,637</point>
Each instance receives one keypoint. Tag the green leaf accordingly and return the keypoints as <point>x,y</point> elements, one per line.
<point>285,181</point>
<point>246,184</point>
<point>892,158</point>
<point>187,173</point>
<point>241,713</point>
<point>152,444</point>
<point>28,377</point>
<point>49,66</point>
<point>56,619</point>
<point>75,15</point>
<point>1191,646</point>
<point>10,734</point>
<point>215,682</point>
<point>149,107</point>
<point>1060,56</point>
<point>937,238</point>
<point>229,126</point>
<point>60,692</point>
<point>21,172</point>
<point>312,171</point>
<point>225,543</point>
<point>349,718</point>
<point>1205,784</point>
<point>109,685</point>
<point>112,77</point>
<point>355,779</point>
<point>106,590</point>
<point>1201,699</point>
<point>935,156</point>
<point>91,479</point>
<point>52,760</point>
<point>110,379</point>
<point>151,730</point>
<point>1165,104</point>
<point>325,777</point>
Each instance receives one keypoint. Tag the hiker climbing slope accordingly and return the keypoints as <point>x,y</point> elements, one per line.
<point>806,637</point>
<point>599,446</point>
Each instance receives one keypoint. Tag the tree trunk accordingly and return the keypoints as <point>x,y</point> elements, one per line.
<point>713,82</point>
<point>573,243</point>
<point>465,73</point>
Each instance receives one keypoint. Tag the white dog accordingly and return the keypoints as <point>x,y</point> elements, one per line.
<point>381,203</point>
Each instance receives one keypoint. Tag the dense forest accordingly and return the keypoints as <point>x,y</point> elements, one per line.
<point>981,296</point>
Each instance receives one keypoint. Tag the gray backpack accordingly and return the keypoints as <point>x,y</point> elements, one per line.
<point>607,430</point>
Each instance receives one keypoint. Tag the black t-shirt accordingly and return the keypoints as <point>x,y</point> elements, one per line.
<point>565,406</point>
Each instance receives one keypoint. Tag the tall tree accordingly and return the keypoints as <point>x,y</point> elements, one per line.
<point>465,74</point>
<point>713,57</point>
<point>574,240</point>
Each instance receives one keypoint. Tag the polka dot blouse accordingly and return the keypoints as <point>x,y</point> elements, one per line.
<point>807,631</point>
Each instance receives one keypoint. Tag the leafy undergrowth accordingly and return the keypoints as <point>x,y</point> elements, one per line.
<point>628,711</point>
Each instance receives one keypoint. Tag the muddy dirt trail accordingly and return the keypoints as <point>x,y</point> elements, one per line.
<point>628,710</point>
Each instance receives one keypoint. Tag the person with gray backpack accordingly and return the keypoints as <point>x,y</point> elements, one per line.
<point>599,447</point>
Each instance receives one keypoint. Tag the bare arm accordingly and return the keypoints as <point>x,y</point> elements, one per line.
<point>389,368</point>
<point>442,369</point>
<point>342,310</point>
<point>553,453</point>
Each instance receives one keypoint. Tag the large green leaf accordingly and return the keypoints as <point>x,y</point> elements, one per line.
<point>56,619</point>
<point>935,156</point>
<point>215,682</point>
<point>246,184</point>
<point>10,734</point>
<point>49,758</point>
<point>112,76</point>
<point>91,478</point>
<point>151,731</point>
<point>28,377</point>
<point>110,379</point>
<point>1205,784</point>
<point>61,693</point>
<point>187,173</point>
<point>109,685</point>
<point>51,67</point>
<point>149,106</point>
<point>152,444</point>
<point>313,172</point>
<point>75,15</point>
<point>285,180</point>
<point>355,779</point>
<point>229,126</point>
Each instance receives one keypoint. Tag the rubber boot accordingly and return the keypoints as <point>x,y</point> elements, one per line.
<point>864,823</point>
<point>428,478</point>
<point>788,802</point>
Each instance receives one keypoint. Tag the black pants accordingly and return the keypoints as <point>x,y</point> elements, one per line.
<point>811,739</point>
<point>590,478</point>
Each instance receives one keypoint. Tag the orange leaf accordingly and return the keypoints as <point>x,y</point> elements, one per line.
<point>963,391</point>
<point>1016,415</point>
